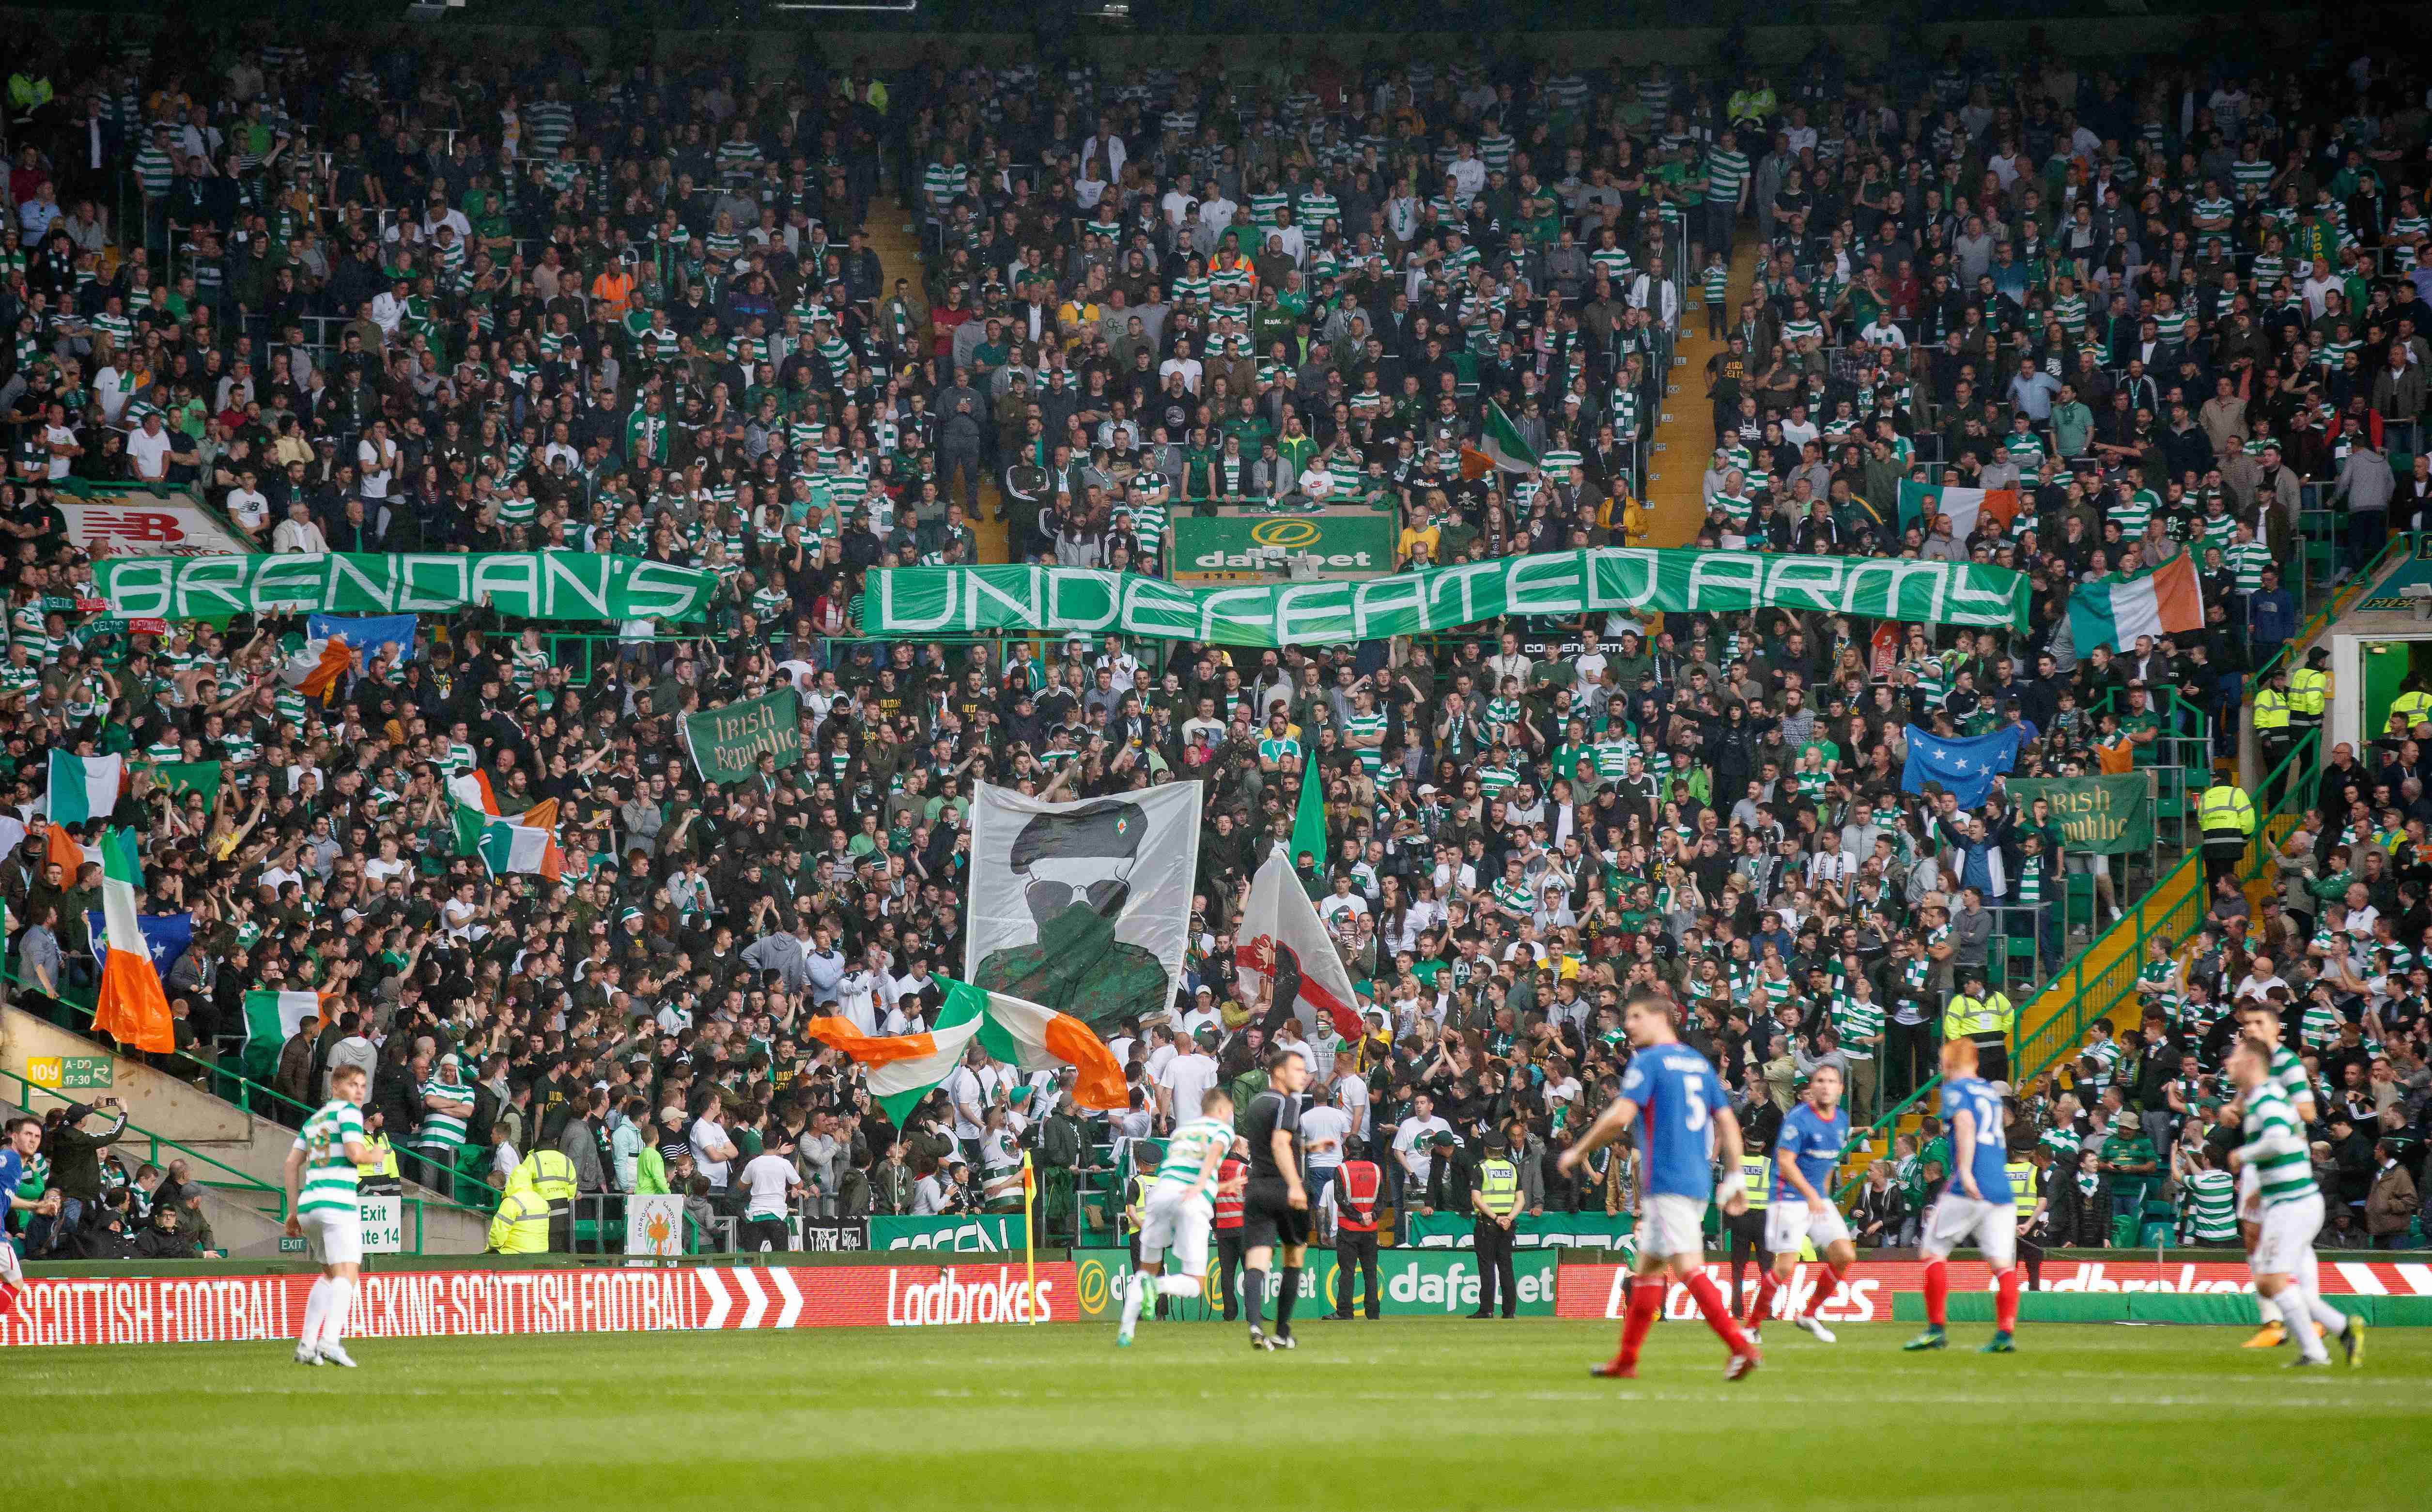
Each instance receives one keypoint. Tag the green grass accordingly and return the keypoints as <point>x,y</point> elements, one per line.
<point>1386,1416</point>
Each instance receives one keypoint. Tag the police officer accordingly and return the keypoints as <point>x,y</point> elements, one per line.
<point>1985,1017</point>
<point>1357,1185</point>
<point>2414,706</point>
<point>522,1224</point>
<point>1495,1202</point>
<point>1746,1229</point>
<point>2272,736</point>
<point>2226,815</point>
<point>381,1176</point>
<point>2310,692</point>
<point>1146,1159</point>
<point>2031,1187</point>
<point>551,1175</point>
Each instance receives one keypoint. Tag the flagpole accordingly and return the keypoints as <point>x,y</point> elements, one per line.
<point>1029,1237</point>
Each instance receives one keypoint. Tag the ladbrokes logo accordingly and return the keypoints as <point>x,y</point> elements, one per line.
<point>1280,543</point>
<point>998,1297</point>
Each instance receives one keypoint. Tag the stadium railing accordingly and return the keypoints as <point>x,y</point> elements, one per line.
<point>468,1189</point>
<point>2174,909</point>
<point>2101,979</point>
<point>270,1200</point>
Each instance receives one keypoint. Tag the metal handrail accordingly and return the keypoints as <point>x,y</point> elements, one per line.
<point>249,1090</point>
<point>242,1181</point>
<point>2343,599</point>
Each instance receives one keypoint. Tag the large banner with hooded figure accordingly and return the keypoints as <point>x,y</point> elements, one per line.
<point>1082,907</point>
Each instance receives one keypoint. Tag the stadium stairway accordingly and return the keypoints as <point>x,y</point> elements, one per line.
<point>238,1156</point>
<point>895,236</point>
<point>1684,430</point>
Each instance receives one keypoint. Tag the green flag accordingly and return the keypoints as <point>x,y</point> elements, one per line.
<point>2109,815</point>
<point>181,778</point>
<point>727,742</point>
<point>1308,824</point>
<point>1503,444</point>
<point>924,603</point>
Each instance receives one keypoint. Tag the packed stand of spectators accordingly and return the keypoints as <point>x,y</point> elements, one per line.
<point>416,300</point>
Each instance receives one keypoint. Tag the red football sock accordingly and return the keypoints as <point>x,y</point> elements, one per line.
<point>1762,1307</point>
<point>1937,1292</point>
<point>1823,1292</point>
<point>1646,1302</point>
<point>1718,1313</point>
<point>2006,1305</point>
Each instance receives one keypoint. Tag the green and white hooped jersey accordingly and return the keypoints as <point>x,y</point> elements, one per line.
<point>2287,1176</point>
<point>329,1172</point>
<point>2287,1073</point>
<point>443,1129</point>
<point>1194,1149</point>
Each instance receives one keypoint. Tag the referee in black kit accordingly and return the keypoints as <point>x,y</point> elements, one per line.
<point>1275,1204</point>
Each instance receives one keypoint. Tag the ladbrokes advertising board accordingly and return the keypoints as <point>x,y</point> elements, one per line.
<point>443,1303</point>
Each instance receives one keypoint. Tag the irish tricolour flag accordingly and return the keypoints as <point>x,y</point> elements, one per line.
<point>131,1009</point>
<point>1500,448</point>
<point>508,846</point>
<point>1920,502</point>
<point>83,788</point>
<point>2114,611</point>
<point>271,1019</point>
<point>903,1069</point>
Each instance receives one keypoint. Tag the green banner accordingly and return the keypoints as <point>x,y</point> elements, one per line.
<point>1551,1231</point>
<point>1414,1284</point>
<point>2107,815</point>
<point>911,602</point>
<point>181,778</point>
<point>727,742</point>
<point>567,585</point>
<point>1235,546</point>
<point>963,1233</point>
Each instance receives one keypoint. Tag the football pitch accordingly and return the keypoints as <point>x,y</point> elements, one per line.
<point>1417,1413</point>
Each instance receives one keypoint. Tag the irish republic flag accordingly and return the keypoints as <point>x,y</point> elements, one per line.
<point>2167,600</point>
<point>83,788</point>
<point>507,846</point>
<point>131,1009</point>
<point>1040,1039</point>
<point>318,666</point>
<point>1920,502</point>
<point>271,1019</point>
<point>903,1069</point>
<point>1500,448</point>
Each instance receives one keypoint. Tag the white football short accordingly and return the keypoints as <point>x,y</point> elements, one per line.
<point>336,1238</point>
<point>2286,1247</point>
<point>1672,1227</point>
<point>1789,1220</point>
<point>1176,1221</point>
<point>1959,1219</point>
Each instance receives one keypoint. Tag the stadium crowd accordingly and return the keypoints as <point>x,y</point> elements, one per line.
<point>427,297</point>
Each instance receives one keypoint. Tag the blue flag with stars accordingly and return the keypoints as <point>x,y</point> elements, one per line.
<point>1963,766</point>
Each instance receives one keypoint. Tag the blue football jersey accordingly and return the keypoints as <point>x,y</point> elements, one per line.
<point>1815,1142</point>
<point>12,1169</point>
<point>1984,1108</point>
<point>1675,1093</point>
